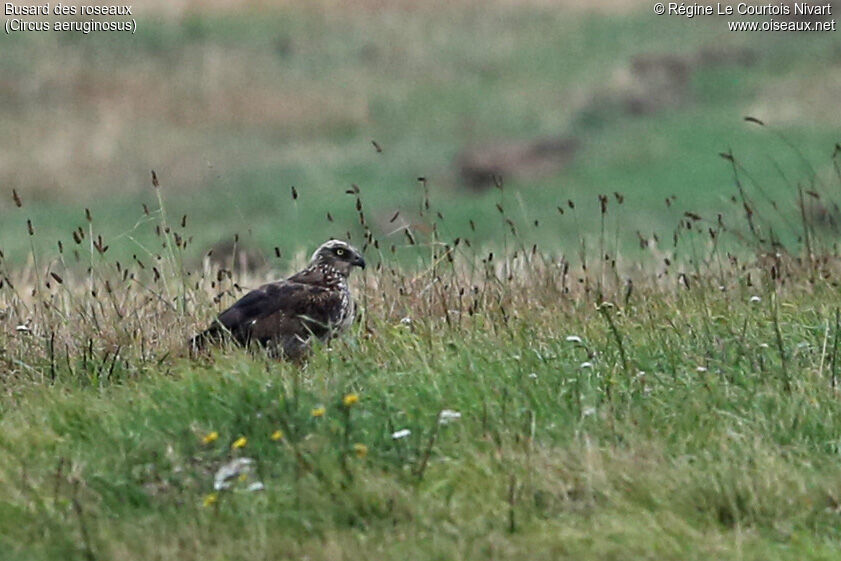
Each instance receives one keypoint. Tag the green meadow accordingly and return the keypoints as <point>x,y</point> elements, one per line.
<point>232,108</point>
<point>685,420</point>
<point>627,351</point>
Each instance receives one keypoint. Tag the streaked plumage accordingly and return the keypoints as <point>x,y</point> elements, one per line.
<point>286,315</point>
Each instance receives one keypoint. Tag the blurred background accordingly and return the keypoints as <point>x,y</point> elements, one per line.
<point>234,103</point>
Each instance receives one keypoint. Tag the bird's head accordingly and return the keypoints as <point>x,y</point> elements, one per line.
<point>340,255</point>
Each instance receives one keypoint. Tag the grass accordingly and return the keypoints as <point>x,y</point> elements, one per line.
<point>234,108</point>
<point>695,450</point>
<point>566,367</point>
<point>556,407</point>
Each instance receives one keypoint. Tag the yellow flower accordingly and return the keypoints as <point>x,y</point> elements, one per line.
<point>210,499</point>
<point>210,437</point>
<point>276,435</point>
<point>243,477</point>
<point>318,412</point>
<point>350,399</point>
<point>360,449</point>
<point>239,443</point>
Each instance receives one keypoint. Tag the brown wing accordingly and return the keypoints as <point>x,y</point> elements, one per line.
<point>282,310</point>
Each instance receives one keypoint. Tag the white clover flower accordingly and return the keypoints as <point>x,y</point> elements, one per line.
<point>587,411</point>
<point>406,321</point>
<point>573,339</point>
<point>533,375</point>
<point>701,369</point>
<point>586,365</point>
<point>227,475</point>
<point>755,299</point>
<point>256,486</point>
<point>448,415</point>
<point>402,433</point>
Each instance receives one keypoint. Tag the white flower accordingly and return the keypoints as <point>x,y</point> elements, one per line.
<point>573,339</point>
<point>256,486</point>
<point>701,369</point>
<point>448,415</point>
<point>406,321</point>
<point>763,345</point>
<point>755,299</point>
<point>22,328</point>
<point>402,433</point>
<point>587,411</point>
<point>586,365</point>
<point>227,475</point>
<point>533,375</point>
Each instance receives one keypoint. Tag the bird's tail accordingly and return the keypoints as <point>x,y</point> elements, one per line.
<point>213,335</point>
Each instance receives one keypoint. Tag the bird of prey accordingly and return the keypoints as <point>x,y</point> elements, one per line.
<point>285,316</point>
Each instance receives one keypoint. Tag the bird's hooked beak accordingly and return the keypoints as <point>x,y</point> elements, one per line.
<point>358,261</point>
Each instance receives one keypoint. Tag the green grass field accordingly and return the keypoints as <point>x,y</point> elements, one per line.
<point>675,423</point>
<point>505,407</point>
<point>233,108</point>
<point>639,380</point>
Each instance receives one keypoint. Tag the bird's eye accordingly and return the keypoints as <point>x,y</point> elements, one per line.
<point>340,252</point>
